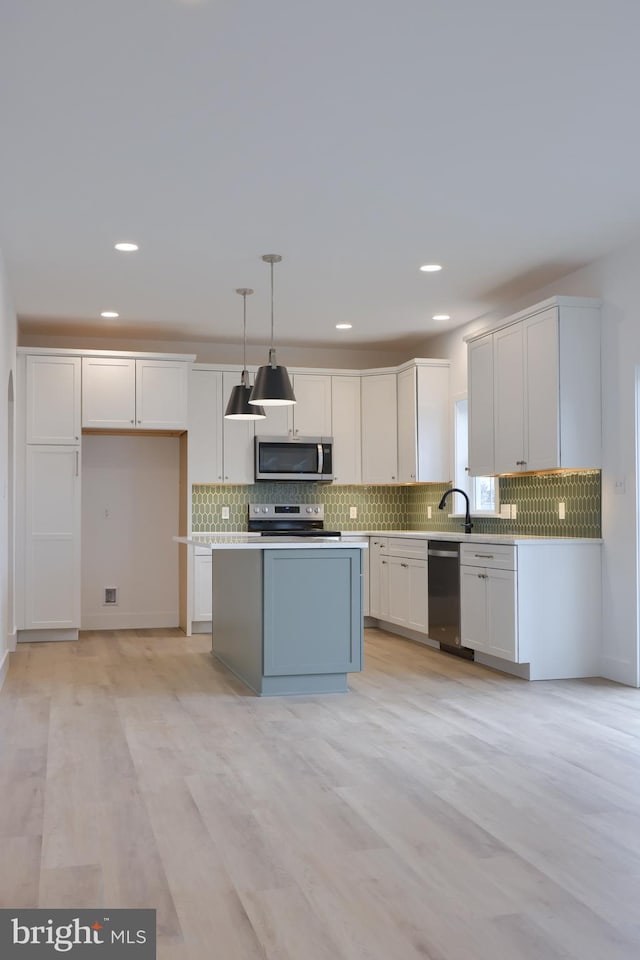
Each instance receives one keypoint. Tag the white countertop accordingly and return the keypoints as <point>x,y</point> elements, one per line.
<point>252,541</point>
<point>355,537</point>
<point>461,537</point>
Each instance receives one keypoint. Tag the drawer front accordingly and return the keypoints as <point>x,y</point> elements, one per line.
<point>378,544</point>
<point>413,549</point>
<point>498,556</point>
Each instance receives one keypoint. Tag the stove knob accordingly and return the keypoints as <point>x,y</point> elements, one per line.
<point>309,509</point>
<point>265,509</point>
<point>256,509</point>
<point>317,510</point>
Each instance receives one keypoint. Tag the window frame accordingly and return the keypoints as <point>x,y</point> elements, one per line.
<point>460,455</point>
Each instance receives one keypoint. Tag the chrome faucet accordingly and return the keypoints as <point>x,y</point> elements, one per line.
<point>467,516</point>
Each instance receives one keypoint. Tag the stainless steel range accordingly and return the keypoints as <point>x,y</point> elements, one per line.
<point>288,520</point>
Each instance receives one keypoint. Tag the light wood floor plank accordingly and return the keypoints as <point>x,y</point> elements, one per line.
<point>439,811</point>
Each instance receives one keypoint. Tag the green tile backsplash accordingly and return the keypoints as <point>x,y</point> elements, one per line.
<point>405,507</point>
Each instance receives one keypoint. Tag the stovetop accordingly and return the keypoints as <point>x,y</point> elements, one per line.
<point>288,519</point>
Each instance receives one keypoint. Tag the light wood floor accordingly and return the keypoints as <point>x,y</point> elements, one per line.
<point>439,810</point>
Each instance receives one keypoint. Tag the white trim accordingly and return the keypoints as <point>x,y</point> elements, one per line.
<point>12,641</point>
<point>619,671</point>
<point>129,354</point>
<point>47,635</point>
<point>117,620</point>
<point>4,668</point>
<point>563,302</point>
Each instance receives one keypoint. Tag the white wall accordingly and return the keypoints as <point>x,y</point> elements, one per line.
<point>7,374</point>
<point>129,515</point>
<point>615,279</point>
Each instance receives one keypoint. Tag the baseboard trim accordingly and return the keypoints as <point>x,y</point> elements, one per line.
<point>12,641</point>
<point>116,620</point>
<point>620,671</point>
<point>44,636</point>
<point>4,667</point>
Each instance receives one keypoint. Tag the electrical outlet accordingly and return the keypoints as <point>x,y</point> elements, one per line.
<point>514,511</point>
<point>505,511</point>
<point>224,513</point>
<point>353,513</point>
<point>561,510</point>
<point>428,513</point>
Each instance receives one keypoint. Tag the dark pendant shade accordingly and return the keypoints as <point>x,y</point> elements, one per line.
<point>239,408</point>
<point>272,387</point>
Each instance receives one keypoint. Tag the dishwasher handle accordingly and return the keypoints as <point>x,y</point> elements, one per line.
<point>443,553</point>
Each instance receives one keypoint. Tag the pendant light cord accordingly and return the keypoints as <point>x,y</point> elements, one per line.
<point>244,332</point>
<point>272,351</point>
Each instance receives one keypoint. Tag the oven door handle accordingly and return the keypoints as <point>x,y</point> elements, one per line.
<point>320,457</point>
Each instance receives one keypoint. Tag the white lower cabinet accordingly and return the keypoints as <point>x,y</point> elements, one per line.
<point>488,611</point>
<point>398,582</point>
<point>537,604</point>
<point>202,595</point>
<point>408,593</point>
<point>51,594</point>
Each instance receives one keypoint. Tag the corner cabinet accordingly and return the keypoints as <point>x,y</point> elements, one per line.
<point>534,384</point>
<point>424,422</point>
<point>122,393</point>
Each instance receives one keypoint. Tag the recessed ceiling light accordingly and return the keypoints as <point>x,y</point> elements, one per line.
<point>127,247</point>
<point>109,314</point>
<point>441,316</point>
<point>430,267</point>
<point>343,326</point>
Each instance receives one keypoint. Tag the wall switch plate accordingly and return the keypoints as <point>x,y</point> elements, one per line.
<point>618,486</point>
<point>224,513</point>
<point>428,513</point>
<point>514,511</point>
<point>505,511</point>
<point>353,513</point>
<point>561,510</point>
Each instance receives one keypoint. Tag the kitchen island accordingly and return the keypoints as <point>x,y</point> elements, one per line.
<point>287,616</point>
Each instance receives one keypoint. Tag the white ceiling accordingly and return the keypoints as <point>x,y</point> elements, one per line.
<point>357,138</point>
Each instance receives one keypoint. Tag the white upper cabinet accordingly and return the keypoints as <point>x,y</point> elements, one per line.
<point>161,394</point>
<point>52,399</point>
<point>312,409</point>
<point>237,444</point>
<point>544,376</point>
<point>379,428</point>
<point>309,416</point>
<point>127,394</point>
<point>424,423</point>
<point>108,393</point>
<point>346,433</point>
<point>480,392</point>
<point>205,426</point>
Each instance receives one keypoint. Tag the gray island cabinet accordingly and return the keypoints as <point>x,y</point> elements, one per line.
<point>287,615</point>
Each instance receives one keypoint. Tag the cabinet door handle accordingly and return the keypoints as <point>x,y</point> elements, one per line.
<point>384,561</point>
<point>521,463</point>
<point>482,576</point>
<point>404,564</point>
<point>133,421</point>
<point>77,463</point>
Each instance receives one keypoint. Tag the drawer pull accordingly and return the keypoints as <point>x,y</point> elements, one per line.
<point>404,564</point>
<point>485,556</point>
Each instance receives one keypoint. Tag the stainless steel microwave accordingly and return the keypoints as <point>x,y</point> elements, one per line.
<point>294,458</point>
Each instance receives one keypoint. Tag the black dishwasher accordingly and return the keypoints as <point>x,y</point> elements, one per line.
<point>444,596</point>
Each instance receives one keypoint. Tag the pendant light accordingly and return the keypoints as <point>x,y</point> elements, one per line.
<point>272,387</point>
<point>238,406</point>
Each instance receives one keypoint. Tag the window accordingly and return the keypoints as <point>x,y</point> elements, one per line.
<point>482,491</point>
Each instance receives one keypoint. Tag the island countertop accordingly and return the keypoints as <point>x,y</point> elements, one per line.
<point>248,541</point>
